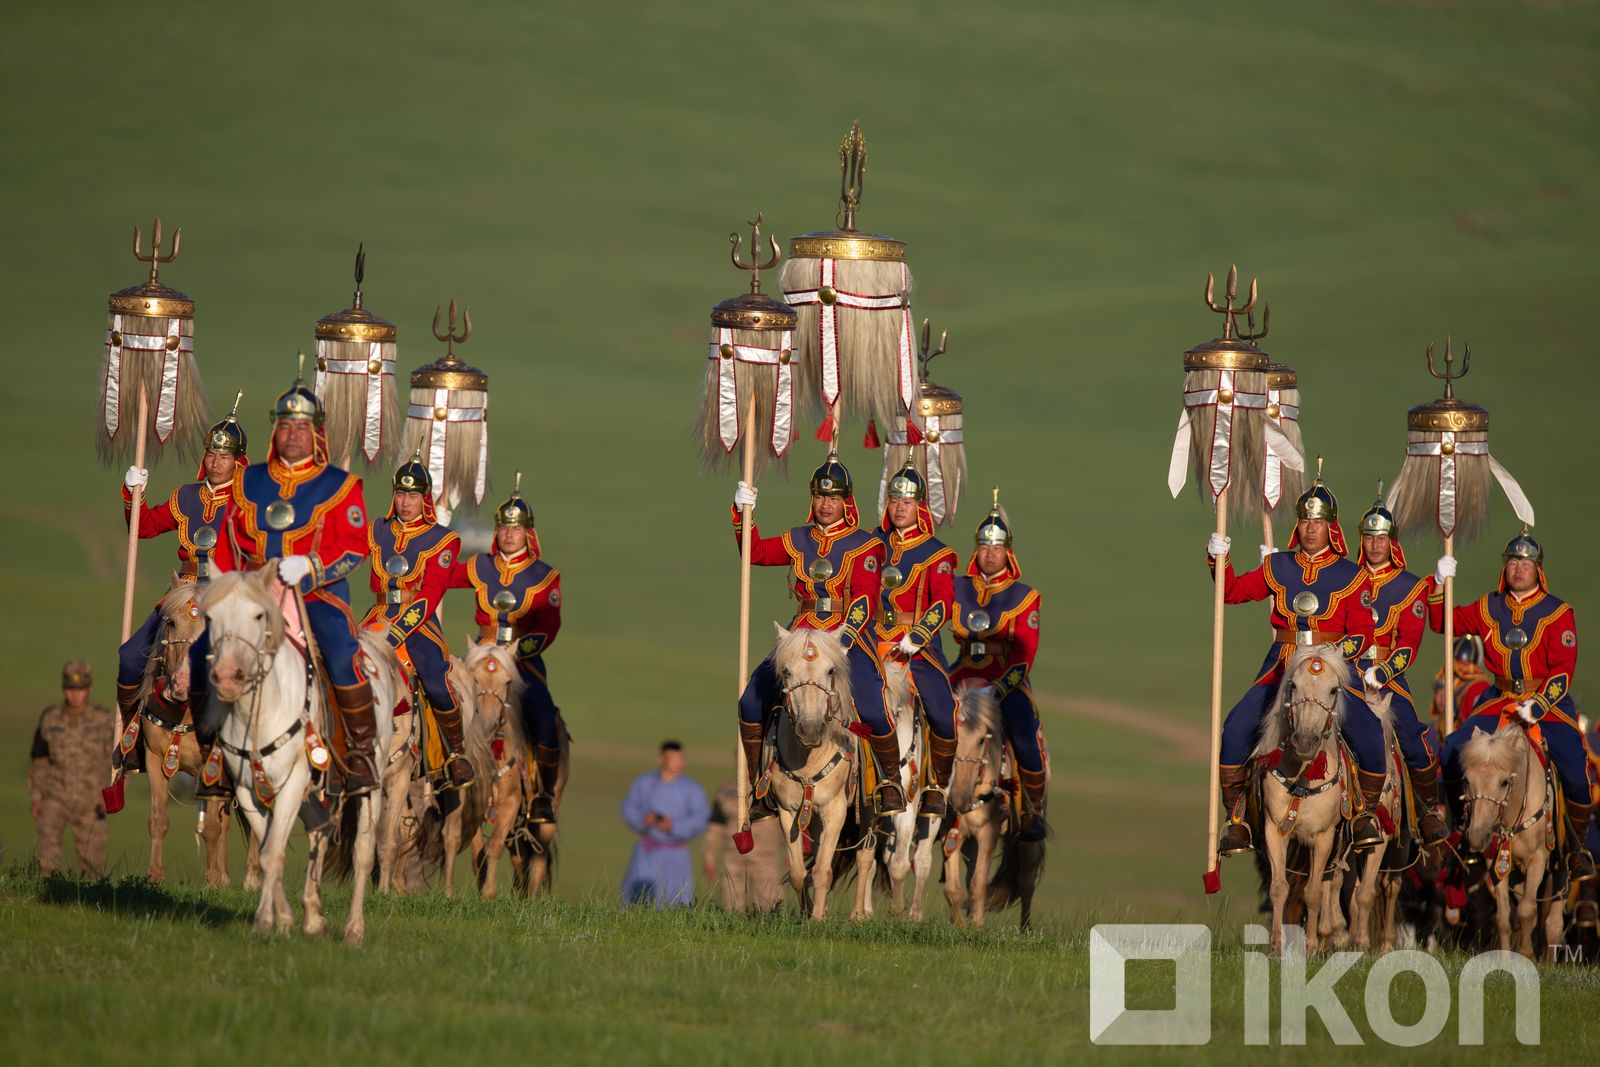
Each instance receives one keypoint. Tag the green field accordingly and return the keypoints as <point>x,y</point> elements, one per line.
<point>1065,175</point>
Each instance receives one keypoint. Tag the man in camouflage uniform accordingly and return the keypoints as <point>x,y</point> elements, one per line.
<point>71,748</point>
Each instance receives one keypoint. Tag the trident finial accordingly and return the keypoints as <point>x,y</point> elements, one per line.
<point>155,258</point>
<point>852,173</point>
<point>450,337</point>
<point>926,354</point>
<point>755,266</point>
<point>1249,333</point>
<point>361,272</point>
<point>1450,374</point>
<point>1228,310</point>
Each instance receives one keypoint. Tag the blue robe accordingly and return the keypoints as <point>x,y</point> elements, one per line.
<point>660,872</point>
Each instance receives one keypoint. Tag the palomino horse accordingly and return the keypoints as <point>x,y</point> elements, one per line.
<point>978,803</point>
<point>261,702</point>
<point>505,782</point>
<point>814,749</point>
<point>1376,896</point>
<point>405,828</point>
<point>167,732</point>
<point>1302,799</point>
<point>1510,803</point>
<point>896,845</point>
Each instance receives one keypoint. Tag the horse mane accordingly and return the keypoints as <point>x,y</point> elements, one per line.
<point>177,597</point>
<point>1344,675</point>
<point>1500,749</point>
<point>791,648</point>
<point>245,584</point>
<point>978,711</point>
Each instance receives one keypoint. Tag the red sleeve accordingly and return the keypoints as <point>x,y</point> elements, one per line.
<point>1560,657</point>
<point>436,579</point>
<point>342,544</point>
<point>1468,619</point>
<point>1242,589</point>
<point>1408,634</point>
<point>764,551</point>
<point>1026,631</point>
<point>547,612</point>
<point>459,576</point>
<point>153,522</point>
<point>866,574</point>
<point>1355,618</point>
<point>941,599</point>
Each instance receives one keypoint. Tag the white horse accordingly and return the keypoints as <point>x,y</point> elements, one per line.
<point>814,750</point>
<point>260,703</point>
<point>1510,802</point>
<point>896,846</point>
<point>1301,796</point>
<point>976,801</point>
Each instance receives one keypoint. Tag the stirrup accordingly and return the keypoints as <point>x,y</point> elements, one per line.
<point>451,780</point>
<point>1236,850</point>
<point>932,791</point>
<point>877,799</point>
<point>1361,841</point>
<point>541,809</point>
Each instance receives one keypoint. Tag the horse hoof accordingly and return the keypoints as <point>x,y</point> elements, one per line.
<point>355,933</point>
<point>316,927</point>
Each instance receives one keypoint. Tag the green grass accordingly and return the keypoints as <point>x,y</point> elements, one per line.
<point>1065,175</point>
<point>567,978</point>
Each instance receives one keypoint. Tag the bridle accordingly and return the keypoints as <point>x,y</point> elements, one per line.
<point>263,653</point>
<point>988,762</point>
<point>1500,829</point>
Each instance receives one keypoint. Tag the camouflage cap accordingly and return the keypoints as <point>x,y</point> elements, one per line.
<point>76,674</point>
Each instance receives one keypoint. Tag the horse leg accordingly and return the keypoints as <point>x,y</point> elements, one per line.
<point>158,816</point>
<point>899,861</point>
<point>866,870</point>
<point>796,855</point>
<point>355,927</point>
<point>1277,858</point>
<point>317,846</point>
<point>255,824</point>
<point>509,794</point>
<point>1528,900</point>
<point>954,887</point>
<point>822,867</point>
<point>1317,887</point>
<point>395,784</point>
<point>452,845</point>
<point>1028,879</point>
<point>1388,901</point>
<point>988,842</point>
<point>1502,912</point>
<point>921,867</point>
<point>1555,927</point>
<point>1364,900</point>
<point>215,836</point>
<point>278,828</point>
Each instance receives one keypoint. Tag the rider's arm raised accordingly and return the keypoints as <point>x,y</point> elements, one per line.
<point>153,522</point>
<point>764,551</point>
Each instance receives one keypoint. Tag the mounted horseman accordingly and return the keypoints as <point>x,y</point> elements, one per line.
<point>996,625</point>
<point>915,603</point>
<point>412,561</point>
<point>306,517</point>
<point>1316,600</point>
<point>1530,646</point>
<point>1398,600</point>
<point>834,570</point>
<point>517,604</point>
<point>199,513</point>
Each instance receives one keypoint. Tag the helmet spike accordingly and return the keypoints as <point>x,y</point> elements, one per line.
<point>233,414</point>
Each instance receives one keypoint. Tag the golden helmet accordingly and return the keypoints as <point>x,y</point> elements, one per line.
<point>515,511</point>
<point>832,478</point>
<point>993,530</point>
<point>227,435</point>
<point>907,484</point>
<point>413,476</point>
<point>298,401</point>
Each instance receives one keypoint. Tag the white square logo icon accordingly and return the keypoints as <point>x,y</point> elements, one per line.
<point>1187,1022</point>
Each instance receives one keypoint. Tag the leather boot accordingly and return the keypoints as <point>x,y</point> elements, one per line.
<point>1033,801</point>
<point>750,734</point>
<point>1364,830</point>
<point>1235,835</point>
<point>547,768</point>
<point>361,737</point>
<point>457,768</point>
<point>1430,825</point>
<point>127,704</point>
<point>1580,865</point>
<point>886,754</point>
<point>941,756</point>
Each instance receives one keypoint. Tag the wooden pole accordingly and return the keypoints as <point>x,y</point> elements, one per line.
<point>133,518</point>
<point>741,772</point>
<point>1449,645</point>
<point>1213,795</point>
<point>1266,529</point>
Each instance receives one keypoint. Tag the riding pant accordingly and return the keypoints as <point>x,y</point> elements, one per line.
<point>335,631</point>
<point>432,665</point>
<point>1361,728</point>
<point>538,709</point>
<point>1409,732</point>
<point>1021,717</point>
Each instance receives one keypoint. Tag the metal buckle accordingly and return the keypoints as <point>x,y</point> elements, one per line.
<point>1305,637</point>
<point>979,648</point>
<point>824,606</point>
<point>394,596</point>
<point>503,635</point>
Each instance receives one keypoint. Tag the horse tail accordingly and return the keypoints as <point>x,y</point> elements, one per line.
<point>1018,872</point>
<point>844,855</point>
<point>340,863</point>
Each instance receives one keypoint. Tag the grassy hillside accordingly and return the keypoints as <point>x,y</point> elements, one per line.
<point>1065,176</point>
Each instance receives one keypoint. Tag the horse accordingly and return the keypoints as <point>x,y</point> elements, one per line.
<point>167,732</point>
<point>412,825</point>
<point>813,752</point>
<point>896,846</point>
<point>982,820</point>
<point>1301,793</point>
<point>1375,897</point>
<point>1504,807</point>
<point>262,697</point>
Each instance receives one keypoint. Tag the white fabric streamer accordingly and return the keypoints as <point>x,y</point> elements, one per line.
<point>1447,477</point>
<point>1221,435</point>
<point>934,439</point>
<point>1272,481</point>
<point>829,327</point>
<point>438,417</point>
<point>118,340</point>
<point>380,354</point>
<point>728,393</point>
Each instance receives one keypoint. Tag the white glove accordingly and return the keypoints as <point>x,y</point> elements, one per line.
<point>1371,678</point>
<point>744,496</point>
<point>1445,568</point>
<point>1266,550</point>
<point>907,647</point>
<point>1525,711</point>
<point>136,478</point>
<point>1217,546</point>
<point>292,569</point>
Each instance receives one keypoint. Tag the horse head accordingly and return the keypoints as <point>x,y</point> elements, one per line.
<point>813,673</point>
<point>1310,704</point>
<point>497,686</point>
<point>979,738</point>
<point>246,626</point>
<point>1491,768</point>
<point>182,623</point>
